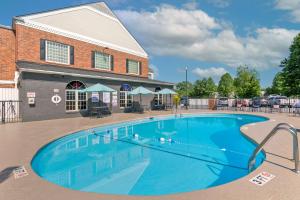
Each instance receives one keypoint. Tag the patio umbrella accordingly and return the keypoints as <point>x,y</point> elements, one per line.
<point>98,88</point>
<point>167,91</point>
<point>140,91</point>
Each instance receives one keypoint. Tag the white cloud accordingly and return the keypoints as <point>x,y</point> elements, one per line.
<point>292,6</point>
<point>215,72</point>
<point>196,35</point>
<point>192,5</point>
<point>220,3</point>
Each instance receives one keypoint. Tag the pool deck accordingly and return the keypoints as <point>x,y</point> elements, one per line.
<point>20,141</point>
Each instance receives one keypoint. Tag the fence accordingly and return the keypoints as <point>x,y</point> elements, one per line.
<point>9,111</point>
<point>288,105</point>
<point>9,105</point>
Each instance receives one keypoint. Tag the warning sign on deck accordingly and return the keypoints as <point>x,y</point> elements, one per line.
<point>262,178</point>
<point>20,172</point>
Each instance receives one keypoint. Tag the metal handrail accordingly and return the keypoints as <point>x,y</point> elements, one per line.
<point>282,126</point>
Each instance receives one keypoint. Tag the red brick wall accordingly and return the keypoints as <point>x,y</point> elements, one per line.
<point>7,54</point>
<point>28,42</point>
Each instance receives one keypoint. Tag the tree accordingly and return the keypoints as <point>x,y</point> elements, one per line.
<point>204,88</point>
<point>291,69</point>
<point>278,85</point>
<point>226,87</point>
<point>247,83</point>
<point>181,88</point>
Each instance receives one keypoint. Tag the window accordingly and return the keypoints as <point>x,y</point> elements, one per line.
<point>125,98</point>
<point>133,67</point>
<point>57,52</point>
<point>75,100</point>
<point>103,61</point>
<point>158,98</point>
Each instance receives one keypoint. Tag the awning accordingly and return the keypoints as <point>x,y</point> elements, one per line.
<point>126,87</point>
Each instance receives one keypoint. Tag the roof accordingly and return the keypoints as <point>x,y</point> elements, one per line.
<point>5,27</point>
<point>25,66</point>
<point>93,23</point>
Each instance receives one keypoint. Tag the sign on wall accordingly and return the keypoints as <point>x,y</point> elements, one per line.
<point>56,99</point>
<point>95,97</point>
<point>30,94</point>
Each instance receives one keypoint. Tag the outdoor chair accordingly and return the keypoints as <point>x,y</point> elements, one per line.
<point>137,108</point>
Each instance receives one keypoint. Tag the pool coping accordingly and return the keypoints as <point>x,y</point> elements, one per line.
<point>232,190</point>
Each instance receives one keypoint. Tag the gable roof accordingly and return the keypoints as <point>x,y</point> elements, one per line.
<point>93,23</point>
<point>5,27</point>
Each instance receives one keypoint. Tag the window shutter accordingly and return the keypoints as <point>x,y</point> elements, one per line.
<point>93,59</point>
<point>140,68</point>
<point>111,62</point>
<point>42,49</point>
<point>71,55</point>
<point>127,66</point>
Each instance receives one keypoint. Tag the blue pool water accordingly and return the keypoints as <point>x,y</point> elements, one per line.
<point>152,156</point>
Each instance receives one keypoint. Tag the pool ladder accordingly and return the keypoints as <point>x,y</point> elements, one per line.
<point>282,126</point>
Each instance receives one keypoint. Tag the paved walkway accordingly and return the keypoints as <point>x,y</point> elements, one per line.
<point>19,143</point>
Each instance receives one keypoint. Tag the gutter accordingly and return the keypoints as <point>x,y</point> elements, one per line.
<point>91,76</point>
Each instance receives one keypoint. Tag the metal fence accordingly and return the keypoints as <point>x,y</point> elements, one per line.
<point>290,105</point>
<point>10,111</point>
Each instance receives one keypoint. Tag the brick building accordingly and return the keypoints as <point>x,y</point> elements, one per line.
<point>59,52</point>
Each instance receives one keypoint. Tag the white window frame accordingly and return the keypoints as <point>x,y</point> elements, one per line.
<point>139,63</point>
<point>50,61</point>
<point>109,60</point>
<point>158,98</point>
<point>76,101</point>
<point>126,99</point>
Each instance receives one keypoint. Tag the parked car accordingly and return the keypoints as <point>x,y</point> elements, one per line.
<point>256,102</point>
<point>241,102</point>
<point>264,102</point>
<point>296,105</point>
<point>259,102</point>
<point>222,102</point>
<point>282,101</point>
<point>184,101</point>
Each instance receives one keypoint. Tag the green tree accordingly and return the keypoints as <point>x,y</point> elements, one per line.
<point>291,69</point>
<point>247,84</point>
<point>226,87</point>
<point>204,88</point>
<point>278,85</point>
<point>269,91</point>
<point>181,88</point>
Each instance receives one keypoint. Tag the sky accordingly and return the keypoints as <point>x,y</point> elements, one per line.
<point>210,37</point>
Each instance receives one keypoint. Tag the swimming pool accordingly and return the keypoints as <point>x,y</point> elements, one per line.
<point>154,156</point>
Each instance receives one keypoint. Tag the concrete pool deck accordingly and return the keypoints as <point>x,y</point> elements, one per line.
<point>20,141</point>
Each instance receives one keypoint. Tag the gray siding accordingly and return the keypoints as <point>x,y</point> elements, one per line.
<point>43,85</point>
